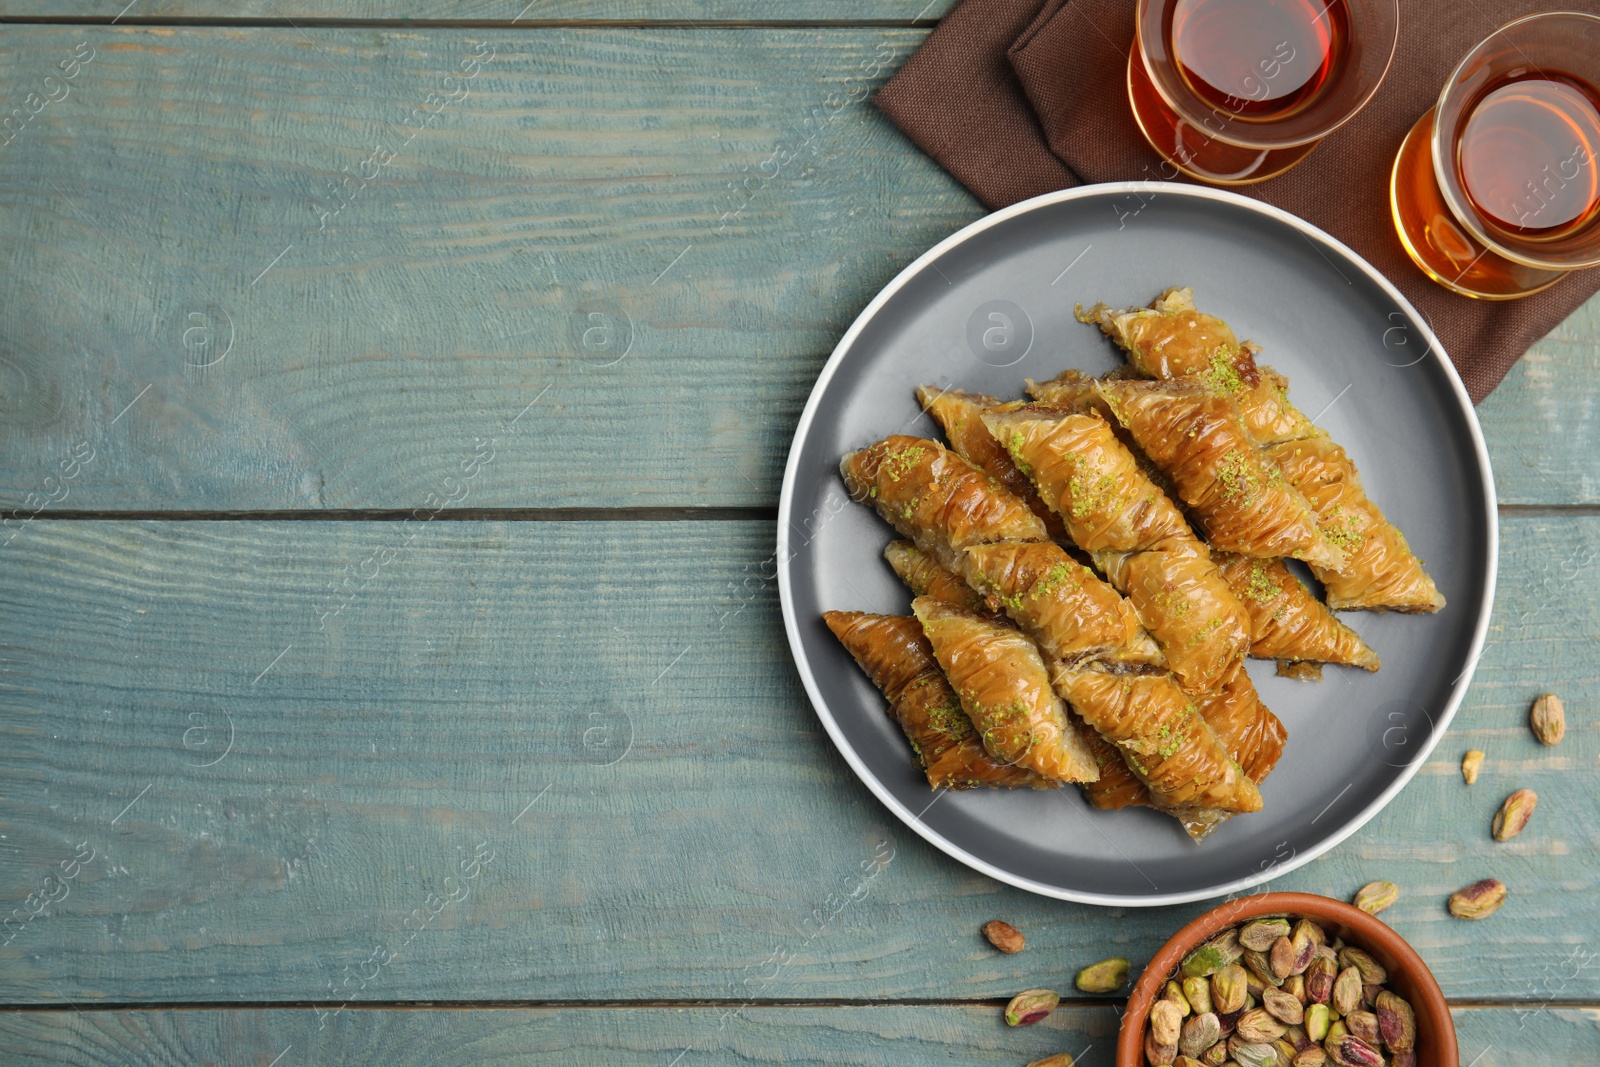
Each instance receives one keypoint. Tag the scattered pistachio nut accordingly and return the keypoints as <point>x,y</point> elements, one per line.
<point>1029,1006</point>
<point>1479,900</point>
<point>1397,1023</point>
<point>1471,763</point>
<point>1003,936</point>
<point>1376,896</point>
<point>1261,933</point>
<point>1107,976</point>
<point>1060,1059</point>
<point>1283,1007</point>
<point>1347,991</point>
<point>1548,719</point>
<point>1197,991</point>
<point>1513,816</point>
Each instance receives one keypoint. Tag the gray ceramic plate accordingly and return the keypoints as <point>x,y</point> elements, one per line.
<point>993,305</point>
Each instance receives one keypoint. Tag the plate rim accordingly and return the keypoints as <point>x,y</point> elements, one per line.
<point>842,350</point>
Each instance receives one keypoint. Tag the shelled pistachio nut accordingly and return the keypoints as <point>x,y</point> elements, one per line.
<point>1513,816</point>
<point>1479,900</point>
<point>1376,896</point>
<point>1548,719</point>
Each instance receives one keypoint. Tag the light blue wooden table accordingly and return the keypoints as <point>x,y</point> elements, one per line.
<point>390,666</point>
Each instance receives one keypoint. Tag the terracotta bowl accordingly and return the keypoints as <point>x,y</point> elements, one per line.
<point>1408,975</point>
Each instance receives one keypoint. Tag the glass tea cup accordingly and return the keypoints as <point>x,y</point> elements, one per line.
<point>1496,191</point>
<point>1238,91</point>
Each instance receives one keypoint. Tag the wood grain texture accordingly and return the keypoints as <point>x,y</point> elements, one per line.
<point>711,206</point>
<point>508,12</point>
<point>692,832</point>
<point>655,235</point>
<point>887,1035</point>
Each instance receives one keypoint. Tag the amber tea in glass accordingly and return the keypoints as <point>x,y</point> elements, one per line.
<point>1237,91</point>
<point>1496,191</point>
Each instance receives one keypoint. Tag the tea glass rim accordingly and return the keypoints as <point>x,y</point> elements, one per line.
<point>1187,111</point>
<point>1449,187</point>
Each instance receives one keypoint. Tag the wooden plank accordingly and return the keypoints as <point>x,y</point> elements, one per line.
<point>654,237</point>
<point>595,193</point>
<point>609,708</point>
<point>1543,423</point>
<point>507,12</point>
<point>1524,1036</point>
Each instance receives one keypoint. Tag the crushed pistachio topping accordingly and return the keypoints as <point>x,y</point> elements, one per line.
<point>1262,588</point>
<point>1239,478</point>
<point>1087,494</point>
<point>1205,631</point>
<point>899,462</point>
<point>1222,374</point>
<point>1343,529</point>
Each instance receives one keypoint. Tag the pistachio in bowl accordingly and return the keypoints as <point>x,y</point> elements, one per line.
<point>1286,980</point>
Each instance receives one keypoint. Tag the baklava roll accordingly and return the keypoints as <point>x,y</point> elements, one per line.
<point>1006,692</point>
<point>1287,623</point>
<point>897,657</point>
<point>1238,496</point>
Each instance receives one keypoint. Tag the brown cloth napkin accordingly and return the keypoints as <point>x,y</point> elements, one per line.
<point>1015,100</point>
